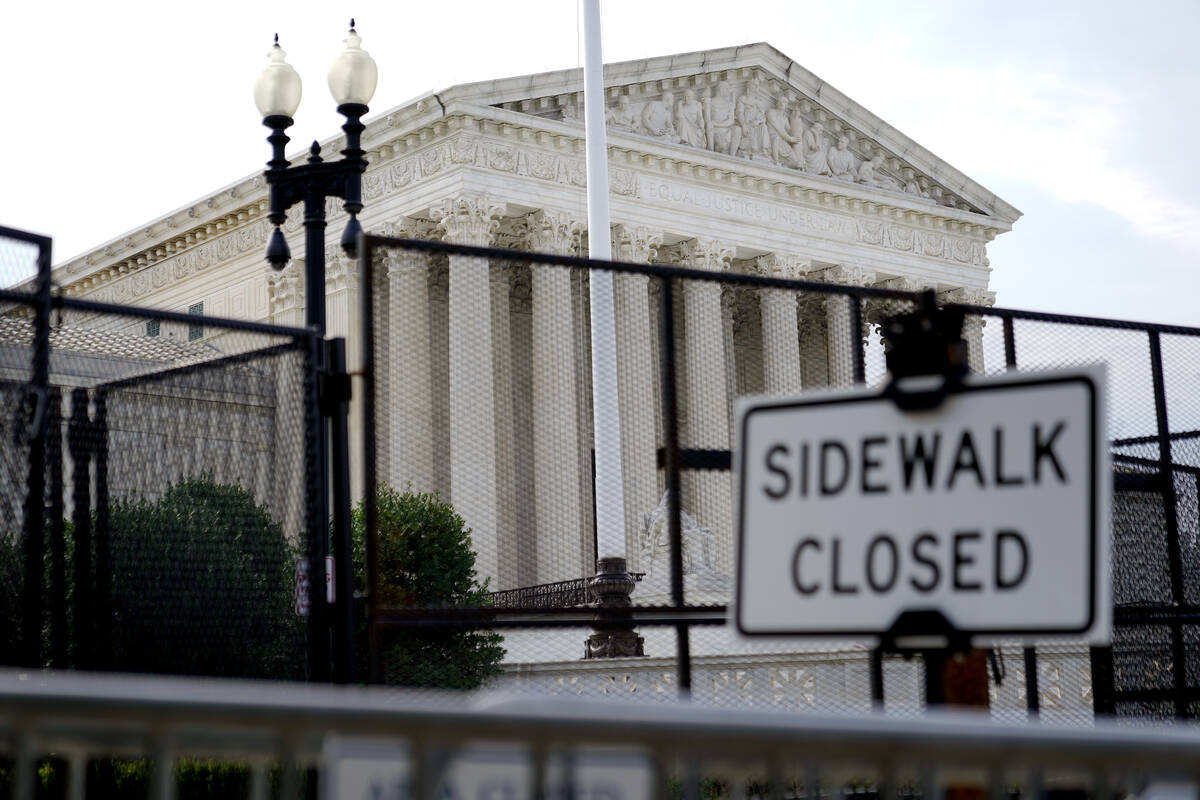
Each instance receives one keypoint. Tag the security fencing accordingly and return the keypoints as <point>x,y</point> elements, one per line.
<point>169,510</point>
<point>159,481</point>
<point>478,395</point>
<point>109,736</point>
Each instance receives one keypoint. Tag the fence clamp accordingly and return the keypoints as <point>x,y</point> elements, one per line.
<point>333,389</point>
<point>926,355</point>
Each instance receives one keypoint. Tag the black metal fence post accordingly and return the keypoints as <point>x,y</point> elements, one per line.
<point>337,407</point>
<point>1166,470</point>
<point>79,434</point>
<point>103,542</point>
<point>318,520</point>
<point>670,401</point>
<point>59,634</point>
<point>34,539</point>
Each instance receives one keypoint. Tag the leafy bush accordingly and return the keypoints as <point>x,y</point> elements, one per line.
<point>202,584</point>
<point>425,560</point>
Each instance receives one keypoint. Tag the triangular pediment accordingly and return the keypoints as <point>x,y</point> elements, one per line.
<point>751,103</point>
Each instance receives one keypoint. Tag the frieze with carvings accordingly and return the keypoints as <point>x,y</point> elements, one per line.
<point>760,120</point>
<point>487,154</point>
<point>199,258</point>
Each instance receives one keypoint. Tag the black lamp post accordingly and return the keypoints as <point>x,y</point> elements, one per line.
<point>352,79</point>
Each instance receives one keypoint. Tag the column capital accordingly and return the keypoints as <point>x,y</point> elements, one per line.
<point>845,275</point>
<point>700,253</point>
<point>553,232</point>
<point>635,244</point>
<point>411,228</point>
<point>968,296</point>
<point>878,309</point>
<point>341,272</point>
<point>468,220</point>
<point>781,265</point>
<point>285,289</point>
<point>903,283</point>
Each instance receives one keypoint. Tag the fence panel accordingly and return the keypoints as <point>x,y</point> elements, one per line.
<point>178,491</point>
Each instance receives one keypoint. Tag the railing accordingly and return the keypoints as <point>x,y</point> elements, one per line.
<point>560,594</point>
<point>355,740</point>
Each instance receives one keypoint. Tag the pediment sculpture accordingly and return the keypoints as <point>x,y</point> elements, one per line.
<point>763,122</point>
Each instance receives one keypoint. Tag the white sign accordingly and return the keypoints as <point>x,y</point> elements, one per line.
<point>991,508</point>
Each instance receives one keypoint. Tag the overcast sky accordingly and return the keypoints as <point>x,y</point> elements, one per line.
<point>1082,116</point>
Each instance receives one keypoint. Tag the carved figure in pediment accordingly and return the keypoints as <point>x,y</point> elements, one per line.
<point>816,150</point>
<point>751,116</point>
<point>622,117</point>
<point>869,173</point>
<point>658,118</point>
<point>782,141</point>
<point>841,160</point>
<point>723,133</point>
<point>689,120</point>
<point>913,187</point>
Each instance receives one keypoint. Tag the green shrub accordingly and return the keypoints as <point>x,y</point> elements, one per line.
<point>425,560</point>
<point>202,584</point>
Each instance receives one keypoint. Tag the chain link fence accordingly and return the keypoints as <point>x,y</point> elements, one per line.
<point>169,458</point>
<point>480,391</point>
<point>177,460</point>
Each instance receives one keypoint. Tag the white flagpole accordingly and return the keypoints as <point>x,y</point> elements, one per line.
<point>606,420</point>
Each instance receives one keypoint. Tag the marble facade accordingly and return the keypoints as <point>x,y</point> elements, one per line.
<point>727,160</point>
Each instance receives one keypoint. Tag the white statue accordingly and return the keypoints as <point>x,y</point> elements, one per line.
<point>816,156</point>
<point>698,556</point>
<point>869,173</point>
<point>840,159</point>
<point>657,118</point>
<point>782,141</point>
<point>797,128</point>
<point>689,120</point>
<point>753,121</point>
<point>720,123</point>
<point>620,118</point>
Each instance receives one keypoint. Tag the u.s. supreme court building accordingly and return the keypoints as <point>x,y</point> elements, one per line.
<point>734,160</point>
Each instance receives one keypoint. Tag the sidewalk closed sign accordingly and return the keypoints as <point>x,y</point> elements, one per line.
<point>991,508</point>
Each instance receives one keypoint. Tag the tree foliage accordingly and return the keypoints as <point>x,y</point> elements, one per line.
<point>425,560</point>
<point>202,584</point>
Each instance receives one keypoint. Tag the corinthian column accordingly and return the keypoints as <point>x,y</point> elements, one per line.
<point>972,323</point>
<point>472,221</point>
<point>842,340</point>
<point>406,369</point>
<point>780,332</point>
<point>561,537</point>
<point>636,354</point>
<point>705,392</point>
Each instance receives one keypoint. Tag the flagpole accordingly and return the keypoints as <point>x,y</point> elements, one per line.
<point>610,501</point>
